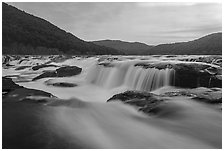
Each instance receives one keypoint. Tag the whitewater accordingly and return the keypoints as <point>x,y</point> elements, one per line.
<point>84,118</point>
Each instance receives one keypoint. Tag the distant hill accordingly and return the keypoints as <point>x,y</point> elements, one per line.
<point>207,45</point>
<point>23,33</point>
<point>129,48</point>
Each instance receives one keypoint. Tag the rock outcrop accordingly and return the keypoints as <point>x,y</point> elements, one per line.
<point>206,95</point>
<point>60,84</point>
<point>60,72</point>
<point>190,74</point>
<point>15,93</point>
<point>144,101</point>
<point>8,85</point>
<point>43,66</point>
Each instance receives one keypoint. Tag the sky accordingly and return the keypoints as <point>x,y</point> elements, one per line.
<point>148,22</point>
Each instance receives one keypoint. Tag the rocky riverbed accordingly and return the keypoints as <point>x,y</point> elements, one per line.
<point>112,101</point>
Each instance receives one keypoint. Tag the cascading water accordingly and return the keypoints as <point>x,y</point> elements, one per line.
<point>90,122</point>
<point>134,77</point>
<point>148,79</point>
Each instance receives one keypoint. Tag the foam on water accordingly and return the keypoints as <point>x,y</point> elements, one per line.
<point>181,122</point>
<point>135,78</point>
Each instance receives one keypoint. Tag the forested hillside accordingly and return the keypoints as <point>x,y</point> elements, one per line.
<point>207,45</point>
<point>129,48</point>
<point>23,33</point>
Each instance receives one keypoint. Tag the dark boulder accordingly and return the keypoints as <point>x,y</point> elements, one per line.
<point>106,64</point>
<point>6,59</point>
<point>45,75</point>
<point>23,60</point>
<point>191,74</point>
<point>8,85</point>
<point>61,84</point>
<point>22,67</point>
<point>43,66</point>
<point>60,72</point>
<point>144,101</point>
<point>157,65</point>
<point>107,59</point>
<point>196,75</point>
<point>68,71</point>
<point>24,94</point>
<point>14,93</point>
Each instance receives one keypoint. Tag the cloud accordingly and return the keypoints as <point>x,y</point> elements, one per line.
<point>164,4</point>
<point>147,22</point>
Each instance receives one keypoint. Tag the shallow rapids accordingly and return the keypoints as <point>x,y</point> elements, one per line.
<point>182,123</point>
<point>81,117</point>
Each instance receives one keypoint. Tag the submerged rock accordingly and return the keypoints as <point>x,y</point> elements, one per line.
<point>22,67</point>
<point>207,95</point>
<point>144,101</point>
<point>60,72</point>
<point>61,84</point>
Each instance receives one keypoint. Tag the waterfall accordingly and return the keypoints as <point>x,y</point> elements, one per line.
<point>134,77</point>
<point>150,79</point>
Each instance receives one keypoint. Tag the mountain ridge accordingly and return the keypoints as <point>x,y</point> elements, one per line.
<point>129,48</point>
<point>24,33</point>
<point>210,44</point>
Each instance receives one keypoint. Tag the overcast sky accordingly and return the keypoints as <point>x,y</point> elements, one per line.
<point>151,23</point>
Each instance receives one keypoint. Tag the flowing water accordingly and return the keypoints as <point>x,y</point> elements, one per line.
<point>135,78</point>
<point>86,118</point>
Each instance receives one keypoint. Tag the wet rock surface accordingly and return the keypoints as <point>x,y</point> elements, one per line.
<point>60,72</point>
<point>43,66</point>
<point>190,75</point>
<point>27,113</point>
<point>106,64</point>
<point>8,85</point>
<point>206,95</point>
<point>24,94</point>
<point>23,60</point>
<point>14,93</point>
<point>45,75</point>
<point>214,59</point>
<point>144,101</point>
<point>61,84</point>
<point>107,59</point>
<point>22,67</point>
<point>150,103</point>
